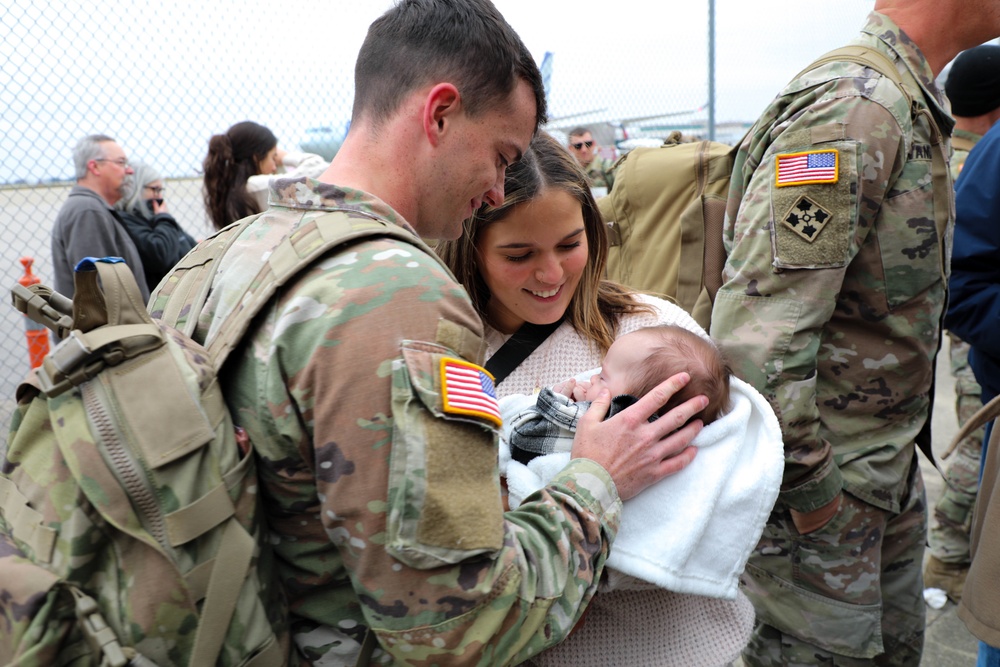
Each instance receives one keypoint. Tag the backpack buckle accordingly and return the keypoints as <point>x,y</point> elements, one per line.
<point>100,636</point>
<point>55,375</point>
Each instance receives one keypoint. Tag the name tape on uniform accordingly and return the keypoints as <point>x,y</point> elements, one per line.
<point>468,389</point>
<point>807,168</point>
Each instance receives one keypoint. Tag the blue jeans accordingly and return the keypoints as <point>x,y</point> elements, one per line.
<point>989,656</point>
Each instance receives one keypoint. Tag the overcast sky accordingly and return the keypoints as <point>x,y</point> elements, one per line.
<point>149,70</point>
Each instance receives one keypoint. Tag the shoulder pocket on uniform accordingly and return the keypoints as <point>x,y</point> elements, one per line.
<point>444,492</point>
<point>814,205</point>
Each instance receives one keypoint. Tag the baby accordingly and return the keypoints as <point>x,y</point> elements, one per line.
<point>634,364</point>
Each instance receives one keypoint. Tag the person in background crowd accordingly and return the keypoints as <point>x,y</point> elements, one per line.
<point>973,309</point>
<point>973,88</point>
<point>159,239</point>
<point>239,167</point>
<point>600,170</point>
<point>87,224</point>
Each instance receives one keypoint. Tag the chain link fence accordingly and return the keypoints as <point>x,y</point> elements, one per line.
<point>162,76</point>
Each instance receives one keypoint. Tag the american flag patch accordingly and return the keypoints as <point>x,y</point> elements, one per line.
<point>467,389</point>
<point>806,168</point>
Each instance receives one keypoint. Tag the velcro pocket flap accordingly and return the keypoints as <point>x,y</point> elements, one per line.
<point>444,492</point>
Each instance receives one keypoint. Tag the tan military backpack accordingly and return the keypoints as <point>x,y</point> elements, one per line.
<point>130,527</point>
<point>665,217</point>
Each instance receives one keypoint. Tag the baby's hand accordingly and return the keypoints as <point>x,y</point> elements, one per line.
<point>581,392</point>
<point>565,388</point>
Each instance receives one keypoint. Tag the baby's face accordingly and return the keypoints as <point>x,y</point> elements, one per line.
<point>618,367</point>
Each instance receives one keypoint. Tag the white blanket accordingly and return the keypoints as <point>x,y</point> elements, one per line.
<point>691,532</point>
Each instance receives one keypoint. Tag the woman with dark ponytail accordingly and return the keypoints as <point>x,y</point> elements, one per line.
<point>245,150</point>
<point>239,166</point>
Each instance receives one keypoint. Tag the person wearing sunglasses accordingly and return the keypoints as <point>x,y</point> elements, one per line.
<point>599,170</point>
<point>87,224</point>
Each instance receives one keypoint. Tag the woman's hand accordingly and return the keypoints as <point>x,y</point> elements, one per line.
<point>636,452</point>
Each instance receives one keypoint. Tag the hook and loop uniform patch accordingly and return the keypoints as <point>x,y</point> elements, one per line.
<point>807,218</point>
<point>468,389</point>
<point>813,200</point>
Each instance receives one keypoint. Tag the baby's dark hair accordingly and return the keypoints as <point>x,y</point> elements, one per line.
<point>674,349</point>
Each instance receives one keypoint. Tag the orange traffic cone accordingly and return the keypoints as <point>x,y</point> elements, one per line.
<point>37,334</point>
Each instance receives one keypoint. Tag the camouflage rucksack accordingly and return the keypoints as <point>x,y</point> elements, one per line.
<point>129,519</point>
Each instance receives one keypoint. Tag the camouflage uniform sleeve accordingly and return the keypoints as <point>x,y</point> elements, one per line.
<point>789,248</point>
<point>385,510</point>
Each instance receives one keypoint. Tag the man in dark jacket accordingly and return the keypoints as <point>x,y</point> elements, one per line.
<point>87,226</point>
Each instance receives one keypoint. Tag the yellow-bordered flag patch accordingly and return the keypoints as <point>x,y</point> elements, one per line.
<point>807,167</point>
<point>468,389</point>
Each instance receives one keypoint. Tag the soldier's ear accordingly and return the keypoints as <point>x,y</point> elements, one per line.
<point>442,105</point>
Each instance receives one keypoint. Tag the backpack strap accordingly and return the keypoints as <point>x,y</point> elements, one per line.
<point>307,243</point>
<point>110,325</point>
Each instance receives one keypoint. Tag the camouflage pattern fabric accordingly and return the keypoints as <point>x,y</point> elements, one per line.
<point>831,307</point>
<point>862,549</point>
<point>384,507</point>
<point>601,172</point>
<point>962,142</point>
<point>952,517</point>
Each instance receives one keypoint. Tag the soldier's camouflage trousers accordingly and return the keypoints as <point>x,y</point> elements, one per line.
<point>847,595</point>
<point>952,517</point>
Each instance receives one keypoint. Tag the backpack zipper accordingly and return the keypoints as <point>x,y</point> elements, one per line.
<point>129,471</point>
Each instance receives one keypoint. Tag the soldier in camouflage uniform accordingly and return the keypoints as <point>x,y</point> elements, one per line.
<point>973,88</point>
<point>837,235</point>
<point>378,465</point>
<point>600,170</point>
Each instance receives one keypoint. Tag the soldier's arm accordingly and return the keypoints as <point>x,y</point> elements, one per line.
<point>791,245</point>
<point>370,479</point>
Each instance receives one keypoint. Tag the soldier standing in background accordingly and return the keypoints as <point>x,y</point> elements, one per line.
<point>973,88</point>
<point>839,218</point>
<point>373,425</point>
<point>600,170</point>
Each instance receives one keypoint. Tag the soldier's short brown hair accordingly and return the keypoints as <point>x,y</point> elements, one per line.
<point>464,42</point>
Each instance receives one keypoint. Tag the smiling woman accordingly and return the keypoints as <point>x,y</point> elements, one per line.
<point>533,266</point>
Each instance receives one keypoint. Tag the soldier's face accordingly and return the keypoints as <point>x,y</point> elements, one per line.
<point>582,148</point>
<point>469,165</point>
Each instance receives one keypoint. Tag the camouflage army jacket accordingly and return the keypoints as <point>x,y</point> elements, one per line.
<point>601,172</point>
<point>962,143</point>
<point>837,269</point>
<point>384,506</point>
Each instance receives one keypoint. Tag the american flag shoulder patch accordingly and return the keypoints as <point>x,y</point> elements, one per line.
<point>807,167</point>
<point>468,389</point>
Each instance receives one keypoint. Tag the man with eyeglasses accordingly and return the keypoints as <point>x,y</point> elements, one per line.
<point>87,224</point>
<point>600,170</point>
